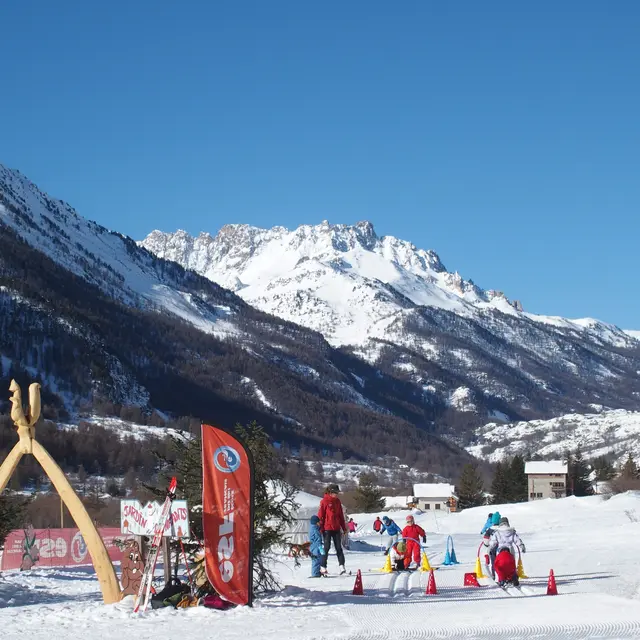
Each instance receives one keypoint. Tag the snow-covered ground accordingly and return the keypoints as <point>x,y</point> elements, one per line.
<point>349,473</point>
<point>614,432</point>
<point>590,543</point>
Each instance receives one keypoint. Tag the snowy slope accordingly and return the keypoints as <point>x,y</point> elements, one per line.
<point>351,279</point>
<point>588,542</point>
<point>396,306</point>
<point>343,280</point>
<point>99,318</point>
<point>615,432</point>
<point>109,260</point>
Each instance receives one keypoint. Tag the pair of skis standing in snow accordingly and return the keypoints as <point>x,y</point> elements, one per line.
<point>501,541</point>
<point>144,593</point>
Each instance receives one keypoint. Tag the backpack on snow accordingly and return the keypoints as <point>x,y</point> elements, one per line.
<point>171,595</point>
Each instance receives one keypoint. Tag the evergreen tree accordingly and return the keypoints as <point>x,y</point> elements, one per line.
<point>500,485</point>
<point>470,487</point>
<point>518,482</point>
<point>604,469</point>
<point>12,509</point>
<point>629,470</point>
<point>578,473</point>
<point>274,505</point>
<point>368,497</point>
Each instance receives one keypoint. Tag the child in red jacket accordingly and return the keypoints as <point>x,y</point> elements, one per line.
<point>412,534</point>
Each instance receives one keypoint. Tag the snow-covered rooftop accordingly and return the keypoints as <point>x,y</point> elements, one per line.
<point>433,490</point>
<point>396,501</point>
<point>541,467</point>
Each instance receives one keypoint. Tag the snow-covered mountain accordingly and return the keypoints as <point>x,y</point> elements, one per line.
<point>398,307</point>
<point>103,322</point>
<point>604,431</point>
<point>343,281</point>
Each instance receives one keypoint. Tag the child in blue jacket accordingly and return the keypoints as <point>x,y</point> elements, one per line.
<point>487,524</point>
<point>316,547</point>
<point>390,527</point>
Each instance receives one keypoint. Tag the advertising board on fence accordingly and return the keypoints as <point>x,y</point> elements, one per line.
<point>54,548</point>
<point>139,520</point>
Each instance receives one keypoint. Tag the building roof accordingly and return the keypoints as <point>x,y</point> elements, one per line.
<point>396,501</point>
<point>433,490</point>
<point>541,467</point>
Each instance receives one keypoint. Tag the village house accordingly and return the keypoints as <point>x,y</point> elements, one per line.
<point>546,479</point>
<point>436,496</point>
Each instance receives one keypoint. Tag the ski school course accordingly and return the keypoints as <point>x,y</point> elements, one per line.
<point>590,543</point>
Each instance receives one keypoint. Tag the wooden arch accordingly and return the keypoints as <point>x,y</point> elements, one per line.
<point>27,444</point>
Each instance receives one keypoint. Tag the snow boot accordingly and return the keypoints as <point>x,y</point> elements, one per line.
<point>342,570</point>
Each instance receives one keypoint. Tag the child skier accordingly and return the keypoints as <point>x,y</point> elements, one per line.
<point>487,524</point>
<point>504,541</point>
<point>412,534</point>
<point>315,548</point>
<point>390,527</point>
<point>352,526</point>
<point>377,524</point>
<point>400,556</point>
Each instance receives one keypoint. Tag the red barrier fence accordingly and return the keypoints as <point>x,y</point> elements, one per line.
<point>55,548</point>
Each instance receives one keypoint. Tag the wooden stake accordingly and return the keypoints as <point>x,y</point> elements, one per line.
<point>166,554</point>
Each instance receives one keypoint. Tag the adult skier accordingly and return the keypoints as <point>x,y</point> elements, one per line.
<point>377,524</point>
<point>504,541</point>
<point>392,529</point>
<point>332,525</point>
<point>412,533</point>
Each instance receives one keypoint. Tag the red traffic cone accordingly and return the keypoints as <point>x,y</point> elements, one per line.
<point>357,587</point>
<point>470,580</point>
<point>431,585</point>
<point>552,590</point>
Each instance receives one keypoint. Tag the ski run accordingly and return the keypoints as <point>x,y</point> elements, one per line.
<point>590,543</point>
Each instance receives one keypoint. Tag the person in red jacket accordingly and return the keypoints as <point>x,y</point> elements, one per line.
<point>412,533</point>
<point>332,525</point>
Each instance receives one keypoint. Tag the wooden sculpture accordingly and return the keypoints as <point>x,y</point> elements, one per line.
<point>27,444</point>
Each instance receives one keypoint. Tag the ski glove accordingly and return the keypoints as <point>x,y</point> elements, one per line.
<point>523,549</point>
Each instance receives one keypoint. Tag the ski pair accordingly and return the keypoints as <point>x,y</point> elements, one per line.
<point>144,592</point>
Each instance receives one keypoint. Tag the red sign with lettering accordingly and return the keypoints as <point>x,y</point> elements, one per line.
<point>55,548</point>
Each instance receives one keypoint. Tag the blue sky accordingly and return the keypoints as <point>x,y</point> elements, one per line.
<point>505,137</point>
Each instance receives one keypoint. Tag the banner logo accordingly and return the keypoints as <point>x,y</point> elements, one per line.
<point>78,548</point>
<point>226,459</point>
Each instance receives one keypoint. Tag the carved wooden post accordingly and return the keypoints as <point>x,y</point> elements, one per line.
<point>27,444</point>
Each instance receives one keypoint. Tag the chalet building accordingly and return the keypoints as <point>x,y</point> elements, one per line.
<point>436,496</point>
<point>546,479</point>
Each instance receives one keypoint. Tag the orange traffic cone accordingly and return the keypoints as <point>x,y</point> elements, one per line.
<point>470,580</point>
<point>357,587</point>
<point>431,585</point>
<point>552,590</point>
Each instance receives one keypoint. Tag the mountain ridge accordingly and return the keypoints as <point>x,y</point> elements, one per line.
<point>98,320</point>
<point>383,298</point>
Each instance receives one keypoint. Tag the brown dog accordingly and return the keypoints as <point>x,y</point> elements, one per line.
<point>298,551</point>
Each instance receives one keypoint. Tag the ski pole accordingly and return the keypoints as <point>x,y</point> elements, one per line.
<point>186,564</point>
